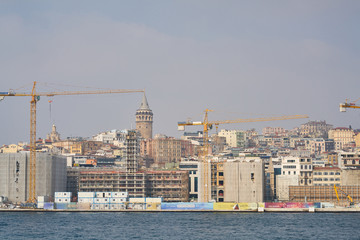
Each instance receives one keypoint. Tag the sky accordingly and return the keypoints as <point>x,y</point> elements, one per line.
<point>242,59</point>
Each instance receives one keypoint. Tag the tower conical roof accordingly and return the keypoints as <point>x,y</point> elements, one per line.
<point>144,104</point>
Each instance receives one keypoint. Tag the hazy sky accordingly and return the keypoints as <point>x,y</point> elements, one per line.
<point>243,59</point>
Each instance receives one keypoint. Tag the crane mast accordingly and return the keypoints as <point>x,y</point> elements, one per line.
<point>204,156</point>
<point>35,97</point>
<point>32,167</point>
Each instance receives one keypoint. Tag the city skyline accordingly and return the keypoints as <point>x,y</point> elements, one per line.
<point>242,59</point>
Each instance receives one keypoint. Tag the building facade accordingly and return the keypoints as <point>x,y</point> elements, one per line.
<point>341,136</point>
<point>243,181</point>
<point>315,129</point>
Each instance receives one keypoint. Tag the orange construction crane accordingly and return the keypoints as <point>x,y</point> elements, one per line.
<point>208,126</point>
<point>344,106</point>
<point>35,97</point>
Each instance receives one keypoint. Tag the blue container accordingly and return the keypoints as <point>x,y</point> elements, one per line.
<point>48,205</point>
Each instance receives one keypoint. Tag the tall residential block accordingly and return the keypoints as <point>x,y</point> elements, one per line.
<point>144,119</point>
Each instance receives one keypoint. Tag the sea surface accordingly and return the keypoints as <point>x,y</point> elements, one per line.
<point>179,225</point>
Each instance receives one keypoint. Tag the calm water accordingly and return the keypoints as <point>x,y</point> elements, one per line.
<point>179,226</point>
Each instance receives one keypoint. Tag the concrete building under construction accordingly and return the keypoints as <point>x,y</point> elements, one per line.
<point>240,180</point>
<point>172,186</point>
<point>112,181</point>
<point>14,175</point>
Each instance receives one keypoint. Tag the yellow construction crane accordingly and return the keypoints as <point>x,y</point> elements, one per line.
<point>342,191</point>
<point>208,126</point>
<point>344,106</point>
<point>35,97</point>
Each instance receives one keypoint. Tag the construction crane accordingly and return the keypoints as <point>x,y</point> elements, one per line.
<point>35,97</point>
<point>344,106</point>
<point>342,191</point>
<point>208,125</point>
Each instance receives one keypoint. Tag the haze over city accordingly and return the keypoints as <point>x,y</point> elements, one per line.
<point>241,59</point>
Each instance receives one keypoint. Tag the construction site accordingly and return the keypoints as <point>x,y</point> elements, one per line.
<point>238,182</point>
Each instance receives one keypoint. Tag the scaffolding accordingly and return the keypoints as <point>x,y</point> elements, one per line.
<point>113,181</point>
<point>132,151</point>
<point>172,186</point>
<point>323,194</point>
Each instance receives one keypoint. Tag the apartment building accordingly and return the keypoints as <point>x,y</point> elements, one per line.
<point>327,176</point>
<point>234,138</point>
<point>341,136</point>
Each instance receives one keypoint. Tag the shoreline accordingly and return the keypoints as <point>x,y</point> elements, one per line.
<point>266,210</point>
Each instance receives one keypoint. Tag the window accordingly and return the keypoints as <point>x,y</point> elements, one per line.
<point>221,174</point>
<point>337,173</point>
<point>305,166</point>
<point>252,176</point>
<point>331,173</point>
<point>326,173</point>
<point>294,172</point>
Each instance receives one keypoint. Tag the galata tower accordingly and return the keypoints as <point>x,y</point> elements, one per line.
<point>144,119</point>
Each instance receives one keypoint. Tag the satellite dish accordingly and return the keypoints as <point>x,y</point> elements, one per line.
<point>2,98</point>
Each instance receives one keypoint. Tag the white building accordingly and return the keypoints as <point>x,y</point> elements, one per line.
<point>115,137</point>
<point>234,138</point>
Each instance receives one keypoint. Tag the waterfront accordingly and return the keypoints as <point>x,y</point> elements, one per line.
<point>133,225</point>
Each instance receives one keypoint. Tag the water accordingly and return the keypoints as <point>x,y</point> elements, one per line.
<point>183,225</point>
